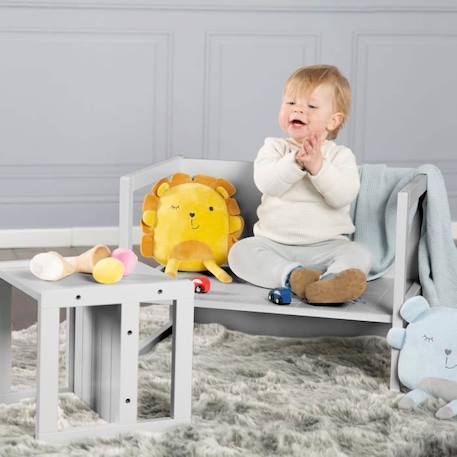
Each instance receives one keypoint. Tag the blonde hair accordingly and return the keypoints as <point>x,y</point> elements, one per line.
<point>306,79</point>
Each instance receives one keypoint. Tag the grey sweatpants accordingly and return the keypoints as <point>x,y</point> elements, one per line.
<point>266,263</point>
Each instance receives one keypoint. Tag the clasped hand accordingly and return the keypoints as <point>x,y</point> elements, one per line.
<point>309,157</point>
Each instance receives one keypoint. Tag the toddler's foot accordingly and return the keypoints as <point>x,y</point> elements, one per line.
<point>345,286</point>
<point>300,278</point>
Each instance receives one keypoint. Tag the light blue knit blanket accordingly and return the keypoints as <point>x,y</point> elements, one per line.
<point>374,215</point>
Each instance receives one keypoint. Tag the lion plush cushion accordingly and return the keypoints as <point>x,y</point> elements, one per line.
<point>190,223</point>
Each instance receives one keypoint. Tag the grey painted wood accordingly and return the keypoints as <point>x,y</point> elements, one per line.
<point>288,325</point>
<point>47,371</point>
<point>80,290</point>
<point>406,258</point>
<point>83,367</point>
<point>24,311</point>
<point>126,390</point>
<point>106,346</point>
<point>158,335</point>
<point>112,430</point>
<point>138,82</point>
<point>70,349</point>
<point>181,380</point>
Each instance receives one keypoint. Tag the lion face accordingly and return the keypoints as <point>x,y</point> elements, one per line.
<point>192,212</point>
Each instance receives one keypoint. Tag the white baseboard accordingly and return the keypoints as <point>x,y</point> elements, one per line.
<point>76,236</point>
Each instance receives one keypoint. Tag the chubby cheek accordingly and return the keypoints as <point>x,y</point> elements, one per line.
<point>283,119</point>
<point>317,123</point>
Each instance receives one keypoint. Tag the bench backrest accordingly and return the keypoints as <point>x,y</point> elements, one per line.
<point>239,173</point>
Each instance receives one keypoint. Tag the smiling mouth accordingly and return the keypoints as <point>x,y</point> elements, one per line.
<point>296,122</point>
<point>194,227</point>
<point>450,368</point>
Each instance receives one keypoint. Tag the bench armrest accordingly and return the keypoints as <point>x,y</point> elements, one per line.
<point>414,190</point>
<point>406,280</point>
<point>407,242</point>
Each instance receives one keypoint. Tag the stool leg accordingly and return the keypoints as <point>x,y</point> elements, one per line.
<point>47,370</point>
<point>82,367</point>
<point>5,338</point>
<point>70,349</point>
<point>127,372</point>
<point>181,372</point>
<point>106,360</point>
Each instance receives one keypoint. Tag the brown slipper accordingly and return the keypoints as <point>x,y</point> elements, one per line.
<point>300,278</point>
<point>345,286</point>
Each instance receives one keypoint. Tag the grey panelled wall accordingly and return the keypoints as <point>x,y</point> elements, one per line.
<point>90,90</point>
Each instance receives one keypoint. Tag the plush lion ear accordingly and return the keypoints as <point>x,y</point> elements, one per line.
<point>227,185</point>
<point>149,218</point>
<point>162,189</point>
<point>236,224</point>
<point>157,185</point>
<point>223,192</point>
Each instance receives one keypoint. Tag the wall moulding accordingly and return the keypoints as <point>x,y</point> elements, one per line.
<point>59,199</point>
<point>67,170</point>
<point>153,52</point>
<point>219,49</point>
<point>334,6</point>
<point>364,45</point>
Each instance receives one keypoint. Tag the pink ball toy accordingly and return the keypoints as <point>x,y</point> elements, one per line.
<point>127,257</point>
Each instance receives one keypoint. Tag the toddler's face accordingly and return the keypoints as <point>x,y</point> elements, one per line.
<point>304,115</point>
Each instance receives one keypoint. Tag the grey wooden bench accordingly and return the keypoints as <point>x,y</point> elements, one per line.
<point>245,307</point>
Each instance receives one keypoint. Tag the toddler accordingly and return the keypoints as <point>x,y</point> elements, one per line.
<point>308,183</point>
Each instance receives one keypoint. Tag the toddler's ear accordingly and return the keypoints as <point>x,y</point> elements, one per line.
<point>335,121</point>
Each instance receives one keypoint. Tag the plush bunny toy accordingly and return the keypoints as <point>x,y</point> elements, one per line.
<point>428,354</point>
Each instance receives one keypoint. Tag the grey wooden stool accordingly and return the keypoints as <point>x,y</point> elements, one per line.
<point>102,350</point>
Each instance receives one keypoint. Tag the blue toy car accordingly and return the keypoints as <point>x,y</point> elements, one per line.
<point>280,295</point>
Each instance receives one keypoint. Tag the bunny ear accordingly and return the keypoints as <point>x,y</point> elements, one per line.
<point>396,337</point>
<point>413,308</point>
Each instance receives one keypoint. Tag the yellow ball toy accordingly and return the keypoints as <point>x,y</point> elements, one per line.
<point>108,271</point>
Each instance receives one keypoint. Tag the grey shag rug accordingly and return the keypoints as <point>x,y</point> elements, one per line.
<point>252,396</point>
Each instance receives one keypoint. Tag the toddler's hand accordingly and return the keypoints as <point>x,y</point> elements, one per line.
<point>310,155</point>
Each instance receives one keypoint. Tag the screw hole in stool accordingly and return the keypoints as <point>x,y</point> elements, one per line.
<point>160,291</point>
<point>78,297</point>
<point>127,400</point>
<point>129,332</point>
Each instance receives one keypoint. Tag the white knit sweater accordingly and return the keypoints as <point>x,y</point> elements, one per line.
<point>298,208</point>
